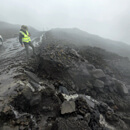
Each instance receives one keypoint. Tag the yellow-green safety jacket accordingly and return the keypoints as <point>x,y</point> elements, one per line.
<point>26,37</point>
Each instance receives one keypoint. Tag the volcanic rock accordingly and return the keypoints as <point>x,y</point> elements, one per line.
<point>63,90</point>
<point>98,73</point>
<point>87,117</point>
<point>121,88</point>
<point>99,84</point>
<point>9,128</point>
<point>69,124</point>
<point>68,107</point>
<point>32,76</point>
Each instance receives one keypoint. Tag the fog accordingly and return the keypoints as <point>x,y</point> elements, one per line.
<point>106,18</point>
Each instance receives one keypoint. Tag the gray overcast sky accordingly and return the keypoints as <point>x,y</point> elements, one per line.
<point>106,18</point>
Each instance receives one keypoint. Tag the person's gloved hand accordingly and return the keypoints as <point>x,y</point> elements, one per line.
<point>22,45</point>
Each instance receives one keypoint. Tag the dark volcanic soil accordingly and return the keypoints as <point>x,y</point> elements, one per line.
<point>64,87</point>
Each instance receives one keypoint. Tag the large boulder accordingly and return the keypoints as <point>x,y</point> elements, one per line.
<point>62,63</point>
<point>29,101</point>
<point>98,73</point>
<point>121,88</point>
<point>32,76</point>
<point>80,75</point>
<point>68,107</point>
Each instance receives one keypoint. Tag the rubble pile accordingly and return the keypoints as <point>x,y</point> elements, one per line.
<point>64,88</point>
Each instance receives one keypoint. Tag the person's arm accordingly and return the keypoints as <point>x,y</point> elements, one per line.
<point>20,39</point>
<point>29,34</point>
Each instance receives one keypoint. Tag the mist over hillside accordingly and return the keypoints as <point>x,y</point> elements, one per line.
<point>71,71</point>
<point>78,36</point>
<point>70,35</point>
<point>8,30</point>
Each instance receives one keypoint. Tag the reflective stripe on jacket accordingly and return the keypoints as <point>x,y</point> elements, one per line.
<point>26,37</point>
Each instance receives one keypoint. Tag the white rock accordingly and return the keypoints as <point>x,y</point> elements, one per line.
<point>67,107</point>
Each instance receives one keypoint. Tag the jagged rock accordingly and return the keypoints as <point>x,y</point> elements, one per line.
<point>121,88</point>
<point>71,69</point>
<point>94,120</point>
<point>28,101</point>
<point>36,86</point>
<point>111,116</point>
<point>27,93</point>
<point>82,106</point>
<point>98,73</point>
<point>21,83</point>
<point>95,115</point>
<point>50,86</point>
<point>70,124</point>
<point>91,67</point>
<point>109,81</point>
<point>103,107</point>
<point>70,97</point>
<point>33,76</point>
<point>35,100</point>
<point>99,84</point>
<point>68,107</point>
<point>89,85</point>
<point>110,102</point>
<point>74,52</point>
<point>87,117</point>
<point>79,75</point>
<point>88,101</point>
<point>63,90</point>
<point>51,68</point>
<point>31,87</point>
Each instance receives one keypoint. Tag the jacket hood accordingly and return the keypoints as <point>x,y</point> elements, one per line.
<point>23,30</point>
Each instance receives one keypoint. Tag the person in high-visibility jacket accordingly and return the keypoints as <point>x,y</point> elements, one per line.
<point>25,40</point>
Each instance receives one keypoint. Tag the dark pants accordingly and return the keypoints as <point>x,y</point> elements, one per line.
<point>27,48</point>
